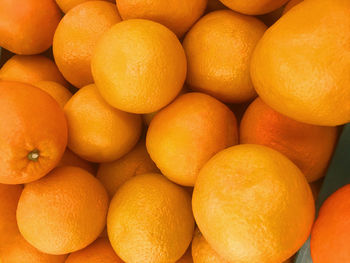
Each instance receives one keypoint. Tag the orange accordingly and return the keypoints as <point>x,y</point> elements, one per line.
<point>254,7</point>
<point>218,48</point>
<point>291,4</point>
<point>303,72</point>
<point>310,147</point>
<point>33,133</point>
<point>330,237</point>
<point>112,175</point>
<point>63,212</point>
<point>150,220</point>
<point>67,5</point>
<point>56,90</point>
<point>76,37</point>
<point>98,132</point>
<point>187,257</point>
<point>71,159</point>
<point>246,199</point>
<point>178,15</point>
<point>27,26</point>
<point>139,66</point>
<point>31,69</point>
<point>185,135</point>
<point>99,251</point>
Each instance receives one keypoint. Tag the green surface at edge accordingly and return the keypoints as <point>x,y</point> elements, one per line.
<point>338,175</point>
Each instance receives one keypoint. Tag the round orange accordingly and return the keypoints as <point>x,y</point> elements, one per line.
<point>56,90</point>
<point>254,7</point>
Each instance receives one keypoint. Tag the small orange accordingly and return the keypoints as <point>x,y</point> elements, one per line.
<point>254,7</point>
<point>31,69</point>
<point>218,48</point>
<point>63,212</point>
<point>291,4</point>
<point>67,5</point>
<point>310,147</point>
<point>33,133</point>
<point>76,37</point>
<point>71,159</point>
<point>97,131</point>
<point>100,251</point>
<point>187,257</point>
<point>27,27</point>
<point>114,174</point>
<point>330,237</point>
<point>186,134</point>
<point>56,90</point>
<point>139,66</point>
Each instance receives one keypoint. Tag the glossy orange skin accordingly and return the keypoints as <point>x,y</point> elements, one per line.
<point>71,159</point>
<point>310,147</point>
<point>254,7</point>
<point>27,26</point>
<point>60,93</point>
<point>291,4</point>
<point>330,236</point>
<point>31,120</point>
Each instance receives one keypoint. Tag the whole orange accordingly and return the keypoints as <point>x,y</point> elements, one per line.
<point>67,5</point>
<point>97,131</point>
<point>71,159</point>
<point>76,37</point>
<point>331,233</point>
<point>63,212</point>
<point>33,133</point>
<point>254,7</point>
<point>310,147</point>
<point>139,66</point>
<point>186,134</point>
<point>56,90</point>
<point>219,48</point>
<point>246,199</point>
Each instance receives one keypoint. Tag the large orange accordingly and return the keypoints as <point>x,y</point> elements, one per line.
<point>330,237</point>
<point>33,133</point>
<point>27,26</point>
<point>62,212</point>
<point>186,134</point>
<point>56,90</point>
<point>97,131</point>
<point>67,5</point>
<point>254,7</point>
<point>310,147</point>
<point>291,4</point>
<point>219,48</point>
<point>114,174</point>
<point>301,66</point>
<point>178,15</point>
<point>252,204</point>
<point>76,37</point>
<point>100,251</point>
<point>150,220</point>
<point>139,66</point>
<point>31,69</point>
<point>71,159</point>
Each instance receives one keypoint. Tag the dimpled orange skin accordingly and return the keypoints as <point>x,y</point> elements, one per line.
<point>67,5</point>
<point>71,159</point>
<point>291,4</point>
<point>177,15</point>
<point>310,147</point>
<point>186,134</point>
<point>331,232</point>
<point>218,48</point>
<point>63,212</point>
<point>27,26</point>
<point>31,69</point>
<point>112,175</point>
<point>32,121</point>
<point>150,220</point>
<point>98,132</point>
<point>83,26</point>
<point>254,7</point>
<point>56,90</point>
<point>139,66</point>
<point>303,72</point>
<point>252,204</point>
<point>100,251</point>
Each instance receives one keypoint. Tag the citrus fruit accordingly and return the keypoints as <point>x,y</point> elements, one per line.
<point>179,21</point>
<point>150,220</point>
<point>76,37</point>
<point>254,7</point>
<point>56,90</point>
<point>27,27</point>
<point>331,232</point>
<point>99,251</point>
<point>33,133</point>
<point>291,4</point>
<point>246,199</point>
<point>186,134</point>
<point>303,72</point>
<point>97,131</point>
<point>112,175</point>
<point>63,212</point>
<point>139,66</point>
<point>310,147</point>
<point>219,48</point>
<point>71,159</point>
<point>67,5</point>
<point>31,69</point>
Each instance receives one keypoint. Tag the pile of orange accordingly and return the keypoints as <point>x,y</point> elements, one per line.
<point>171,131</point>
